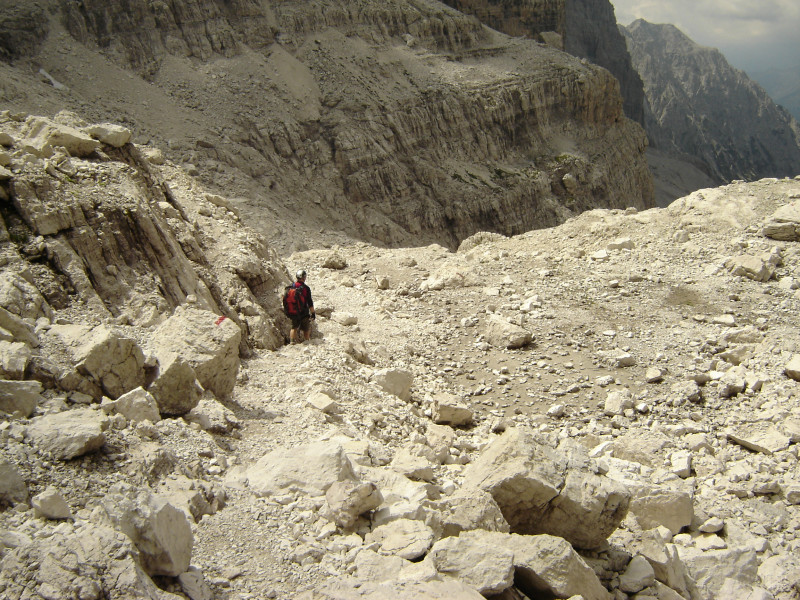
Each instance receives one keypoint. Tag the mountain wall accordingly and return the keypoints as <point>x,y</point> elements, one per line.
<point>396,122</point>
<point>588,29</point>
<point>705,111</point>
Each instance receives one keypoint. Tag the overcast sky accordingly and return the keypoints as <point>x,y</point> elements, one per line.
<point>754,35</point>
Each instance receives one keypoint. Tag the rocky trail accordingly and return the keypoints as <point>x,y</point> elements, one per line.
<point>603,409</point>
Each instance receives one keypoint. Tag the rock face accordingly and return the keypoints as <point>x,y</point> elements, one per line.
<point>707,112</point>
<point>586,29</point>
<point>355,140</point>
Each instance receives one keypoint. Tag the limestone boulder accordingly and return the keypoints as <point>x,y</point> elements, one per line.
<point>448,409</point>
<point>784,223</point>
<point>757,268</point>
<point>20,330</point>
<point>467,510</point>
<point>103,563</point>
<point>638,575</point>
<point>13,488</point>
<point>109,134</point>
<point>176,389</point>
<point>711,568</point>
<point>209,343</point>
<point>21,298</point>
<point>136,406</point>
<point>444,588</point>
<point>107,357</point>
<point>440,438</point>
<point>415,461</point>
<point>780,574</point>
<point>14,359</point>
<point>394,381</point>
<point>543,491</point>
<point>347,500</point>
<point>160,531</point>
<point>70,433</point>
<point>501,333</point>
<point>312,468</point>
<point>20,397</point>
<point>50,504</point>
<point>211,415</point>
<point>406,538</point>
<point>41,136</point>
<point>487,567</point>
<point>792,368</point>
<point>664,559</point>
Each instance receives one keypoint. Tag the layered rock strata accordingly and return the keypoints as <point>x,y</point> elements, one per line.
<point>396,122</point>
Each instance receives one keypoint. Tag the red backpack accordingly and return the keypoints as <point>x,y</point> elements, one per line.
<point>294,301</point>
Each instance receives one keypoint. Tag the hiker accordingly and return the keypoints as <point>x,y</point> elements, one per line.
<point>299,307</point>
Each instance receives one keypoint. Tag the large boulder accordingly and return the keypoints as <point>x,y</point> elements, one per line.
<point>14,359</point>
<point>86,561</point>
<point>41,136</point>
<point>406,538</point>
<point>104,355</point>
<point>208,342</point>
<point>312,469</point>
<point>176,389</point>
<point>544,491</point>
<point>394,381</point>
<point>486,566</point>
<point>20,330</point>
<point>69,434</point>
<point>467,510</point>
<point>784,224</point>
<point>347,500</point>
<point>20,396</point>
<point>544,566</point>
<point>161,532</point>
<point>444,588</point>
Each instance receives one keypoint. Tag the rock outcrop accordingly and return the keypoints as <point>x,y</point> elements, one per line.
<point>708,113</point>
<point>584,28</point>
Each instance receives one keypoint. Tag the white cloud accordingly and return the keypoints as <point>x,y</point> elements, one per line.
<point>762,31</point>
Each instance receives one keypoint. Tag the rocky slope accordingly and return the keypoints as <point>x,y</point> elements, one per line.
<point>586,28</point>
<point>398,122</point>
<point>607,408</point>
<point>704,111</point>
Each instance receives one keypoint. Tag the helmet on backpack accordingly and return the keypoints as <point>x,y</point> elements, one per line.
<point>301,274</point>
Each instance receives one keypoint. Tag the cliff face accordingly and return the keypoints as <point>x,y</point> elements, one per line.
<point>588,29</point>
<point>701,107</point>
<point>399,122</point>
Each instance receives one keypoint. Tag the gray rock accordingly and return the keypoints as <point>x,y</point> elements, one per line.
<point>211,415</point>
<point>207,342</point>
<point>347,500</point>
<point>69,434</point>
<point>449,410</point>
<point>103,564</point>
<point>784,224</point>
<point>502,334</point>
<point>405,538</point>
<point>638,575</point>
<point>14,359</point>
<point>485,566</point>
<point>13,488</point>
<point>540,490</point>
<point>175,388</point>
<point>20,396</point>
<point>160,531</point>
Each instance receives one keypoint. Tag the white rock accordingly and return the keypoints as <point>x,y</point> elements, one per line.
<point>394,381</point>
<point>751,267</point>
<point>194,585</point>
<point>760,437</point>
<point>21,298</point>
<point>780,574</point>
<point>211,415</point>
<point>322,401</point>
<point>136,406</point>
<point>712,525</point>
<point>41,135</point>
<point>638,575</point>
<point>108,133</point>
<point>467,510</point>
<point>617,402</point>
<point>733,589</point>
<point>616,359</point>
<point>681,462</point>
<point>405,538</point>
<point>175,388</point>
<point>51,504</point>
<point>20,330</point>
<point>311,468</point>
<point>14,359</point>
<point>792,368</point>
<point>502,334</point>
<point>344,318</point>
